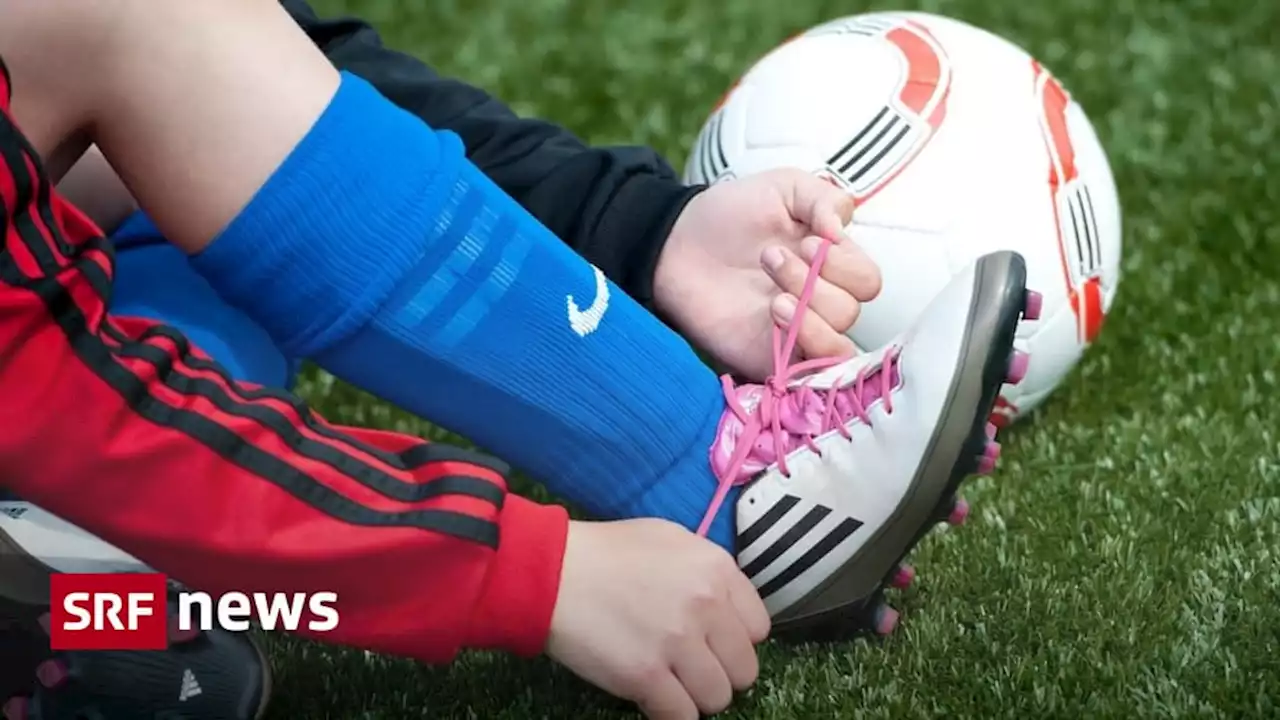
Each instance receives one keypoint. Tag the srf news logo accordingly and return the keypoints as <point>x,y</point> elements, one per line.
<point>130,611</point>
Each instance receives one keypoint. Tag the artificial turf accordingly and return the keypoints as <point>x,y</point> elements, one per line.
<point>1124,560</point>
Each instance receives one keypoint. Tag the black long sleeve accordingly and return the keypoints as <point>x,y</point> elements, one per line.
<point>614,206</point>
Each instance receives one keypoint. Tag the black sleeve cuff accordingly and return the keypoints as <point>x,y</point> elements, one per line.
<point>634,230</point>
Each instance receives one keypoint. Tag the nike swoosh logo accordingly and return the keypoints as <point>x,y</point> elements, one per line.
<point>585,322</point>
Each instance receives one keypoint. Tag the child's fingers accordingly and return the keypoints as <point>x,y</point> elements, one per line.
<point>833,304</point>
<point>816,338</point>
<point>847,267</point>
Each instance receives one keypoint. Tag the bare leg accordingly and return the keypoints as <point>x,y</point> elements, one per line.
<point>94,187</point>
<point>174,93</point>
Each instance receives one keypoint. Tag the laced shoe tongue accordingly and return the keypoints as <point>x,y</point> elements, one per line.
<point>874,386</point>
<point>732,429</point>
<point>802,413</point>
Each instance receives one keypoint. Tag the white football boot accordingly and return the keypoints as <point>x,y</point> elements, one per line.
<point>848,463</point>
<point>35,543</point>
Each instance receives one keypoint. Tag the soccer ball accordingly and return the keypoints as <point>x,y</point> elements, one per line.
<point>954,143</point>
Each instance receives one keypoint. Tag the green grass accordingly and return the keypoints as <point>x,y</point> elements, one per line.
<point>1125,559</point>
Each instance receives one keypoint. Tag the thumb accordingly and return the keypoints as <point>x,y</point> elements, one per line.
<point>820,206</point>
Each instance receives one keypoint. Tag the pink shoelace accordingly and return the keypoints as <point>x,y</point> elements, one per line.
<point>787,417</point>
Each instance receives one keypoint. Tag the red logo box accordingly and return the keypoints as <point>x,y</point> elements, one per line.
<point>98,611</point>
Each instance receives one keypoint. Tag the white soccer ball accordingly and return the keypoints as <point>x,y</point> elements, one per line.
<point>954,143</point>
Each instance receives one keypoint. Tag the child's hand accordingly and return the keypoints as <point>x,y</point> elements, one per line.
<point>652,613</point>
<point>737,259</point>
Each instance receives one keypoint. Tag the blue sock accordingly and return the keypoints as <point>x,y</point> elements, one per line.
<point>155,280</point>
<point>380,251</point>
